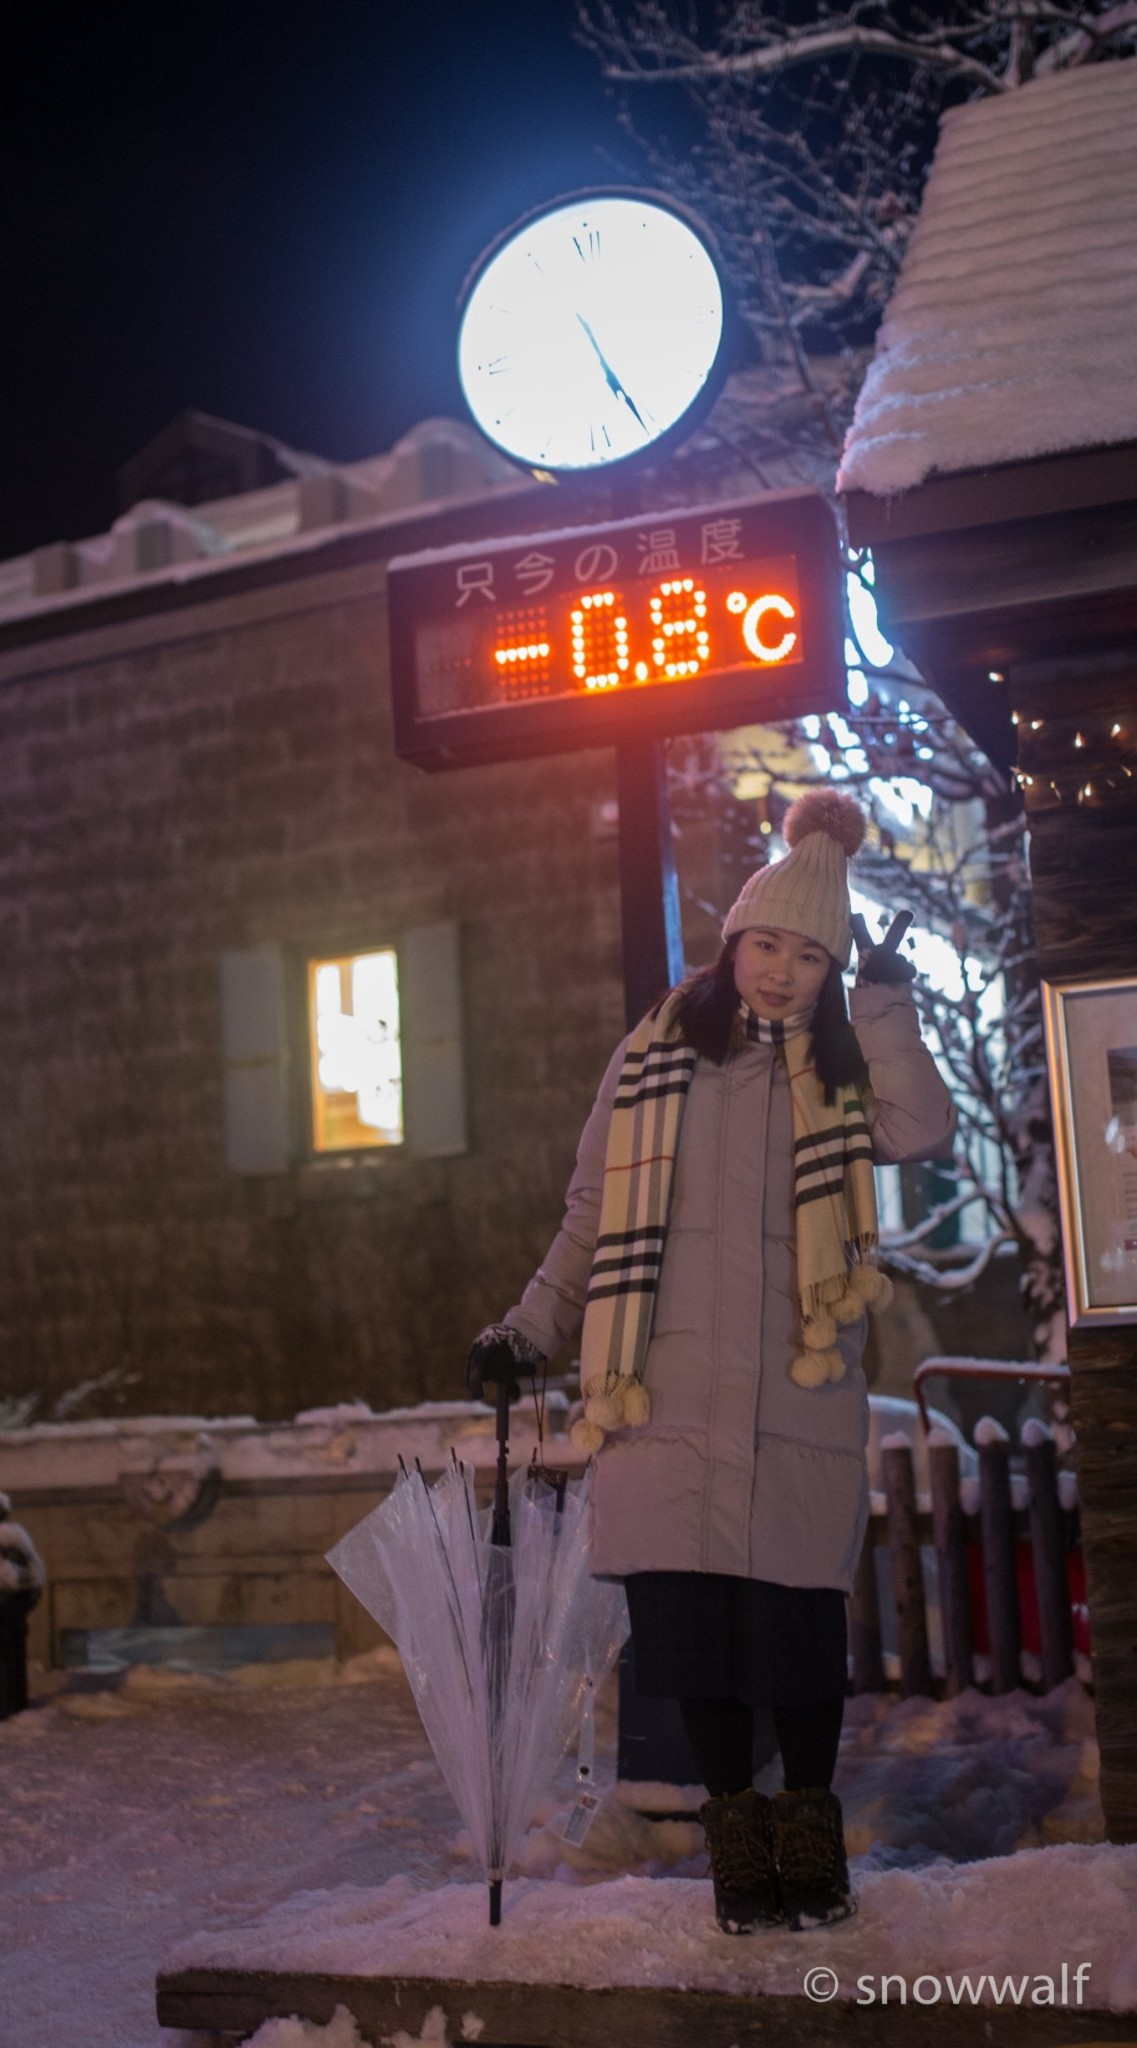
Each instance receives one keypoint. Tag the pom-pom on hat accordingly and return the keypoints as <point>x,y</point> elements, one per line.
<point>808,891</point>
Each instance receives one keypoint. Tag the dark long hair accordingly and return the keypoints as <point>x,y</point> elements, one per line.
<point>709,1005</point>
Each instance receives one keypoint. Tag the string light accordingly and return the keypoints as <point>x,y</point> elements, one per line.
<point>1112,775</point>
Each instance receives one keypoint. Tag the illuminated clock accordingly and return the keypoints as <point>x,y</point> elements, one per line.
<point>591,331</point>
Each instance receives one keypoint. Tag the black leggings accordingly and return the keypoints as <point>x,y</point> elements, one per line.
<point>721,1733</point>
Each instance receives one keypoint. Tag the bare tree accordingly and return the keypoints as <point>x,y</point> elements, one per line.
<point>811,142</point>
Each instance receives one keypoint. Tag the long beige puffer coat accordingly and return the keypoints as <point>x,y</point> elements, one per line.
<point>740,1470</point>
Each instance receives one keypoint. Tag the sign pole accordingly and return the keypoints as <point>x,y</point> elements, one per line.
<point>649,887</point>
<point>651,1741</point>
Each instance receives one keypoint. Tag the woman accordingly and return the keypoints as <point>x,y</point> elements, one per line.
<point>719,1238</point>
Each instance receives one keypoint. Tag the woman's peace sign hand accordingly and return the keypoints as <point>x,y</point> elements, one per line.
<point>882,963</point>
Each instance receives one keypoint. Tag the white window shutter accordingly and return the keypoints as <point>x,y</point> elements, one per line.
<point>434,1079</point>
<point>255,1052</point>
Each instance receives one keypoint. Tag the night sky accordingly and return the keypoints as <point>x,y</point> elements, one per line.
<point>262,209</point>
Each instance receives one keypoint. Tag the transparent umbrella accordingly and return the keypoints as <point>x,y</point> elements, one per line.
<point>502,1641</point>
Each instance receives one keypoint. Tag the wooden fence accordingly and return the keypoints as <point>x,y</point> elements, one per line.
<point>998,1558</point>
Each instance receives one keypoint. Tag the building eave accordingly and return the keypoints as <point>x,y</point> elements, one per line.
<point>1009,491</point>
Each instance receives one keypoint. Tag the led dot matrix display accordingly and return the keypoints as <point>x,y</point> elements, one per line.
<point>524,654</point>
<point>676,621</point>
<point>599,635</point>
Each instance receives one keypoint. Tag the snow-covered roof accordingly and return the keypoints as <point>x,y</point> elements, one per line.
<point>1011,332</point>
<point>440,461</point>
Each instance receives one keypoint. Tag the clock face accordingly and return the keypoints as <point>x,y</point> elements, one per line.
<point>590,332</point>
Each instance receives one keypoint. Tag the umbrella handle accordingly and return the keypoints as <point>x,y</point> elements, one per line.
<point>501,1530</point>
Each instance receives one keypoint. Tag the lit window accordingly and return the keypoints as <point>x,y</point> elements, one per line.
<point>353,1027</point>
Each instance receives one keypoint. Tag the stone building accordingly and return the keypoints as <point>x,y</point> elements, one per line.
<point>210,859</point>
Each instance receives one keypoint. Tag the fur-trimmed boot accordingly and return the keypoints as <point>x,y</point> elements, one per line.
<point>809,1841</point>
<point>739,1827</point>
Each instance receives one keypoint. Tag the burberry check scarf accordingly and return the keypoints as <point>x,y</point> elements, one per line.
<point>835,1207</point>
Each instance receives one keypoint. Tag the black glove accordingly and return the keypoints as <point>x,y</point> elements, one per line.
<point>883,963</point>
<point>499,1353</point>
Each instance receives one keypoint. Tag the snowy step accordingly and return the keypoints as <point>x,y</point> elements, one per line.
<point>1032,1950</point>
<point>426,2012</point>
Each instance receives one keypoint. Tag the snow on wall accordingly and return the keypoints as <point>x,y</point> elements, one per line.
<point>439,461</point>
<point>348,1439</point>
<point>352,1439</point>
<point>1010,332</point>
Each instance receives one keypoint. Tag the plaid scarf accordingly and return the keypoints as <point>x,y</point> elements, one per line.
<point>834,1200</point>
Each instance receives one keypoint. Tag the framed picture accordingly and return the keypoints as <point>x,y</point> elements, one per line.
<point>1091,1051</point>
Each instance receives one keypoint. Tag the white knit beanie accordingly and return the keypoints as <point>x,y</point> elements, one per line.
<point>808,892</point>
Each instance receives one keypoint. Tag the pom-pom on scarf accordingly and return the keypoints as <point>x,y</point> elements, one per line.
<point>834,1199</point>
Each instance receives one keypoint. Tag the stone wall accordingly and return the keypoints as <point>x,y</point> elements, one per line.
<point>220,775</point>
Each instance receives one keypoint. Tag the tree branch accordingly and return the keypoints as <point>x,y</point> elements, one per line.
<point>809,47</point>
<point>955,1279</point>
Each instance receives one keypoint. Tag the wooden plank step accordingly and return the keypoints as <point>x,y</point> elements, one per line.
<point>236,2002</point>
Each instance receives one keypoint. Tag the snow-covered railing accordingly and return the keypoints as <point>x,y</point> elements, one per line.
<point>1023,1371</point>
<point>980,1580</point>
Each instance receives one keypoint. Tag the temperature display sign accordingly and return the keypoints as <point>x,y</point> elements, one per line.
<point>684,621</point>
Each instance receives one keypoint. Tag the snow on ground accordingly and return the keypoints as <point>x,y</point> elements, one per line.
<point>1020,1916</point>
<point>171,1809</point>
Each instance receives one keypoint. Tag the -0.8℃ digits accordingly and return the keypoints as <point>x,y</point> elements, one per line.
<point>668,632</point>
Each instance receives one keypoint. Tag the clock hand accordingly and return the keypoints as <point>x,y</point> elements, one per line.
<point>610,377</point>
